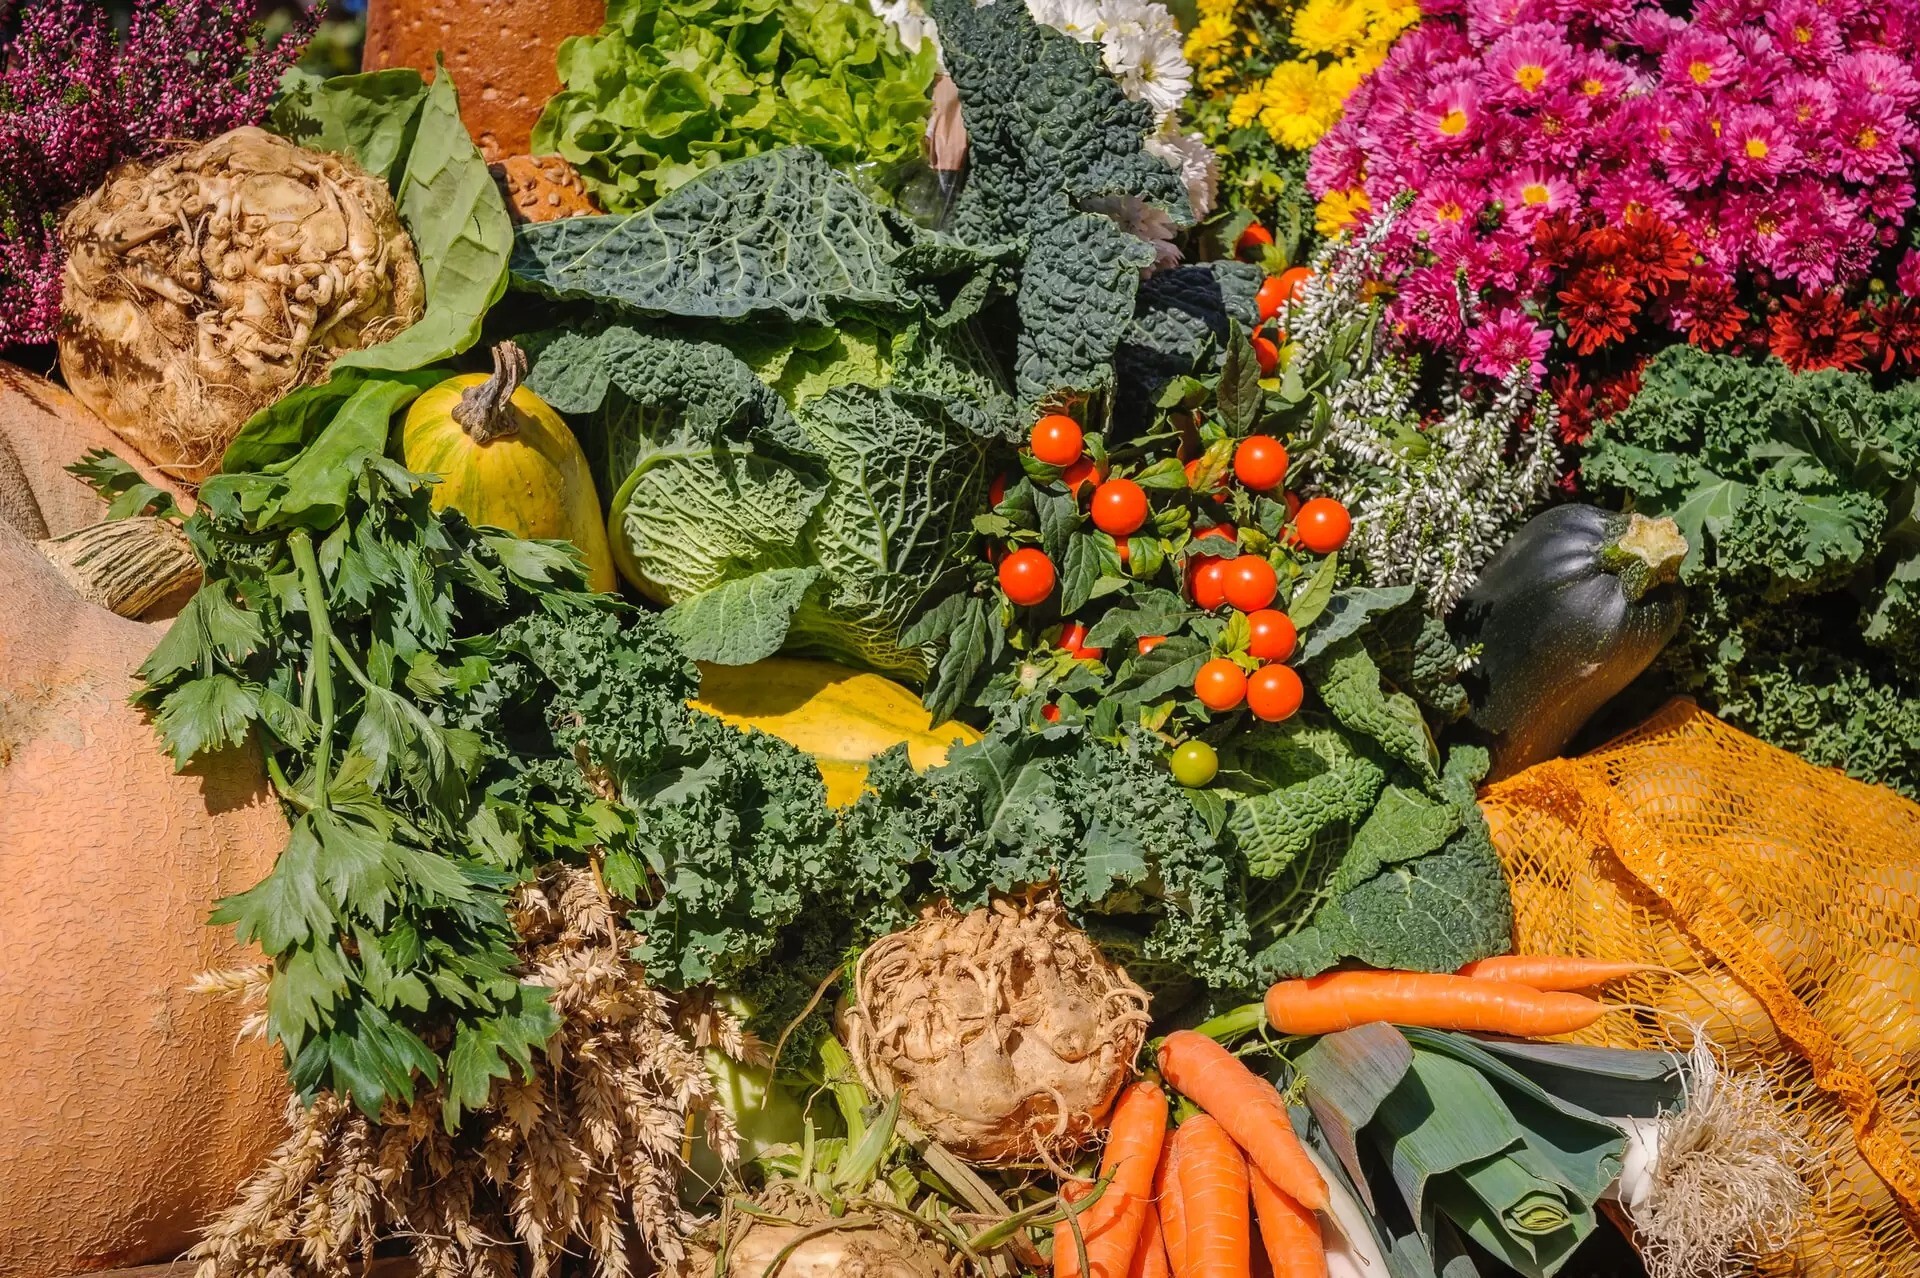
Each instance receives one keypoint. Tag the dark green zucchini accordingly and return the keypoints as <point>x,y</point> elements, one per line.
<point>1570,611</point>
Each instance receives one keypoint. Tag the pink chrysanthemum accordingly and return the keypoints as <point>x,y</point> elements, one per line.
<point>1758,149</point>
<point>1429,306</point>
<point>1528,64</point>
<point>1699,61</point>
<point>1695,154</point>
<point>1507,341</point>
<point>1907,277</point>
<point>1805,34</point>
<point>1451,114</point>
<point>1533,194</point>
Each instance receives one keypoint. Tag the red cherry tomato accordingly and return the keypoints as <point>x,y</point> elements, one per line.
<point>1221,529</point>
<point>1073,639</point>
<point>1274,693</point>
<point>1271,635</point>
<point>1220,684</point>
<point>1293,504</point>
<point>1147,643</point>
<point>997,491</point>
<point>1056,440</point>
<point>1322,525</point>
<point>1250,583</point>
<point>1050,712</point>
<point>1266,354</point>
<point>1272,297</point>
<point>1292,280</point>
<point>1252,240</point>
<point>1120,549</point>
<point>1027,576</point>
<point>1119,507</point>
<point>1209,582</point>
<point>1260,462</point>
<point>1079,475</point>
<point>1192,468</point>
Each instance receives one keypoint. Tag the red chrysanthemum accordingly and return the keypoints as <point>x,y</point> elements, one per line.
<point>1574,400</point>
<point>1896,334</point>
<point>1818,331</point>
<point>1656,254</point>
<point>1556,238</point>
<point>1708,313</point>
<point>1598,308</point>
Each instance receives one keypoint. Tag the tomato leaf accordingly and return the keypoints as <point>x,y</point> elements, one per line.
<point>1311,599</point>
<point>1238,395</point>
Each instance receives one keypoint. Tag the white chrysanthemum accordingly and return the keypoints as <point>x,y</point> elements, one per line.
<point>909,21</point>
<point>1149,64</point>
<point>1080,19</point>
<point>1198,165</point>
<point>1138,218</point>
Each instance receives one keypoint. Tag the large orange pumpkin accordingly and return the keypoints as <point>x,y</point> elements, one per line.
<point>129,1114</point>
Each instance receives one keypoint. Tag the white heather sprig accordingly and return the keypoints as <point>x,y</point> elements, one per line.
<point>1432,496</point>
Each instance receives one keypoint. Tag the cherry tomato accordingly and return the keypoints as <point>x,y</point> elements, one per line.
<point>1272,297</point>
<point>1209,581</point>
<point>1050,712</point>
<point>1323,525</point>
<point>1119,507</point>
<point>1120,549</point>
<point>1266,354</point>
<point>1220,684</point>
<point>1192,468</point>
<point>1250,583</point>
<point>1147,643</point>
<point>1292,280</point>
<point>1056,440</point>
<point>1194,763</point>
<point>1027,576</point>
<point>1271,636</point>
<point>1260,462</point>
<point>1252,240</point>
<point>1274,693</point>
<point>1073,639</point>
<point>997,491</point>
<point>1078,475</point>
<point>1221,529</point>
<point>1293,504</point>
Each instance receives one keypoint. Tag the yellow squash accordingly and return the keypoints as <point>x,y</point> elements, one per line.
<point>507,460</point>
<point>842,717</point>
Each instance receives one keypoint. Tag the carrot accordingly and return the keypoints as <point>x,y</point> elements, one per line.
<point>1171,1207</point>
<point>1111,1228</point>
<point>1150,1257</point>
<point>1213,1199</point>
<point>1247,1106</point>
<point>1289,1232</point>
<point>1341,1000</point>
<point>1551,972</point>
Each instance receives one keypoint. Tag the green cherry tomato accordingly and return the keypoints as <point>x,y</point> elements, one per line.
<point>1194,764</point>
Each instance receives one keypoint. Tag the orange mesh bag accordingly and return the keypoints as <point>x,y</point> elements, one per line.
<point>1779,903</point>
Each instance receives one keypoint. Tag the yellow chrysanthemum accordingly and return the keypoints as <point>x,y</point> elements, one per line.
<point>1245,109</point>
<point>1296,106</point>
<point>1343,77</point>
<point>1330,26</point>
<point>1209,42</point>
<point>1338,210</point>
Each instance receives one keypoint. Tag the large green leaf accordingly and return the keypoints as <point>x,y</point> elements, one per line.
<point>781,234</point>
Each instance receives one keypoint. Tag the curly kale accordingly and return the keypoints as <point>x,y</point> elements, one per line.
<point>1798,494</point>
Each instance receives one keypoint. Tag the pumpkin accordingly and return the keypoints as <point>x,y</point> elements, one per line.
<point>842,717</point>
<point>1567,614</point>
<point>506,460</point>
<point>131,1109</point>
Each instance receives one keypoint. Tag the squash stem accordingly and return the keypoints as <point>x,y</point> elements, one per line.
<point>1646,553</point>
<point>486,411</point>
<point>320,668</point>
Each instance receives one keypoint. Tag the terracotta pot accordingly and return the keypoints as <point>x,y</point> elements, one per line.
<point>500,53</point>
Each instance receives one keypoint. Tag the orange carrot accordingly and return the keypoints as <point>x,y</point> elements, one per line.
<point>1110,1229</point>
<point>1551,972</point>
<point>1150,1257</point>
<point>1289,1232</point>
<point>1171,1207</point>
<point>1341,1000</point>
<point>1213,1199</point>
<point>1248,1107</point>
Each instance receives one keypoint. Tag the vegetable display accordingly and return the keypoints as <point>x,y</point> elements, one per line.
<point>907,699</point>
